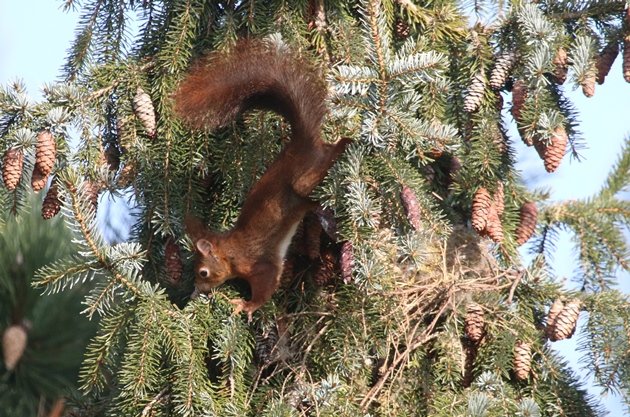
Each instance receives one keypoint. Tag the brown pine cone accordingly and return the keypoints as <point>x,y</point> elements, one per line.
<point>522,360</point>
<point>52,203</point>
<point>411,207</point>
<point>566,320</point>
<point>561,64</point>
<point>550,325</point>
<point>346,261</point>
<point>480,209</point>
<point>528,218</point>
<point>588,84</point>
<point>327,270</point>
<point>92,189</point>
<point>312,236</point>
<point>494,228</point>
<point>401,29</point>
<point>605,60</point>
<point>14,340</point>
<point>473,97</point>
<point>519,95</point>
<point>38,180</point>
<point>12,164</point>
<point>474,322</point>
<point>173,261</point>
<point>502,67</point>
<point>143,108</point>
<point>626,58</point>
<point>553,153</point>
<point>45,152</point>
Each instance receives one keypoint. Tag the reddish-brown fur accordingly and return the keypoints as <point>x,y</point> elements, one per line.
<point>214,93</point>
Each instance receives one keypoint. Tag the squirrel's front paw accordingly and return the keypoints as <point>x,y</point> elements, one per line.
<point>241,305</point>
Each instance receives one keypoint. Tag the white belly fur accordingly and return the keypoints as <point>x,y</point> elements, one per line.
<point>284,244</point>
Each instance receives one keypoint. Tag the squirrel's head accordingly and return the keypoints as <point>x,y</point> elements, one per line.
<point>211,267</point>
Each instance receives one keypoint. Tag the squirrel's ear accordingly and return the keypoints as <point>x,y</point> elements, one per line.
<point>204,247</point>
<point>194,227</point>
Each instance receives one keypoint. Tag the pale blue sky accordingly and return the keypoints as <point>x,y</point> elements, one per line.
<point>35,36</point>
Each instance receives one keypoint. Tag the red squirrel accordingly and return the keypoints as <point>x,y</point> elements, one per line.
<point>215,92</point>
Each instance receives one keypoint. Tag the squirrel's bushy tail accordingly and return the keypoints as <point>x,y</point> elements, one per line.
<point>252,75</point>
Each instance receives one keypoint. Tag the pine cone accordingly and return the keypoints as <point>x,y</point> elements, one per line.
<point>566,320</point>
<point>143,108</point>
<point>561,64</point>
<point>474,323</point>
<point>38,180</point>
<point>288,273</point>
<point>14,341</point>
<point>494,228</point>
<point>173,261</point>
<point>265,342</point>
<point>480,209</point>
<point>553,153</point>
<point>605,60</point>
<point>499,197</point>
<point>327,270</point>
<point>550,326</point>
<point>502,67</point>
<point>12,168</point>
<point>312,236</point>
<point>527,222</point>
<point>401,29</point>
<point>519,95</point>
<point>522,360</point>
<point>411,207</point>
<point>45,153</point>
<point>588,84</point>
<point>346,261</point>
<point>475,93</point>
<point>51,204</point>
<point>626,58</point>
<point>91,190</point>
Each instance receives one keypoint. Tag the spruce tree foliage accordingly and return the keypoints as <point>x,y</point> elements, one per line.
<point>56,332</point>
<point>409,83</point>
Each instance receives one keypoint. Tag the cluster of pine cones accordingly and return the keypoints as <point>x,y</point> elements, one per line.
<point>560,324</point>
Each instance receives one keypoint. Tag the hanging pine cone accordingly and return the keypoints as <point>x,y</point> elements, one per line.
<point>474,322</point>
<point>265,343</point>
<point>38,180</point>
<point>473,97</point>
<point>401,29</point>
<point>502,67</point>
<point>499,197</point>
<point>550,325</point>
<point>480,208</point>
<point>566,320</point>
<point>51,204</point>
<point>528,216</point>
<point>12,168</point>
<point>519,95</point>
<point>605,60</point>
<point>522,360</point>
<point>45,152</point>
<point>288,273</point>
<point>411,207</point>
<point>553,153</point>
<point>625,66</point>
<point>346,261</point>
<point>494,228</point>
<point>588,84</point>
<point>143,108</point>
<point>14,341</point>
<point>561,66</point>
<point>91,190</point>
<point>327,270</point>
<point>312,236</point>
<point>173,261</point>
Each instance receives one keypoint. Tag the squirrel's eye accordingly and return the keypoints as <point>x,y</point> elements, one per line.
<point>203,273</point>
